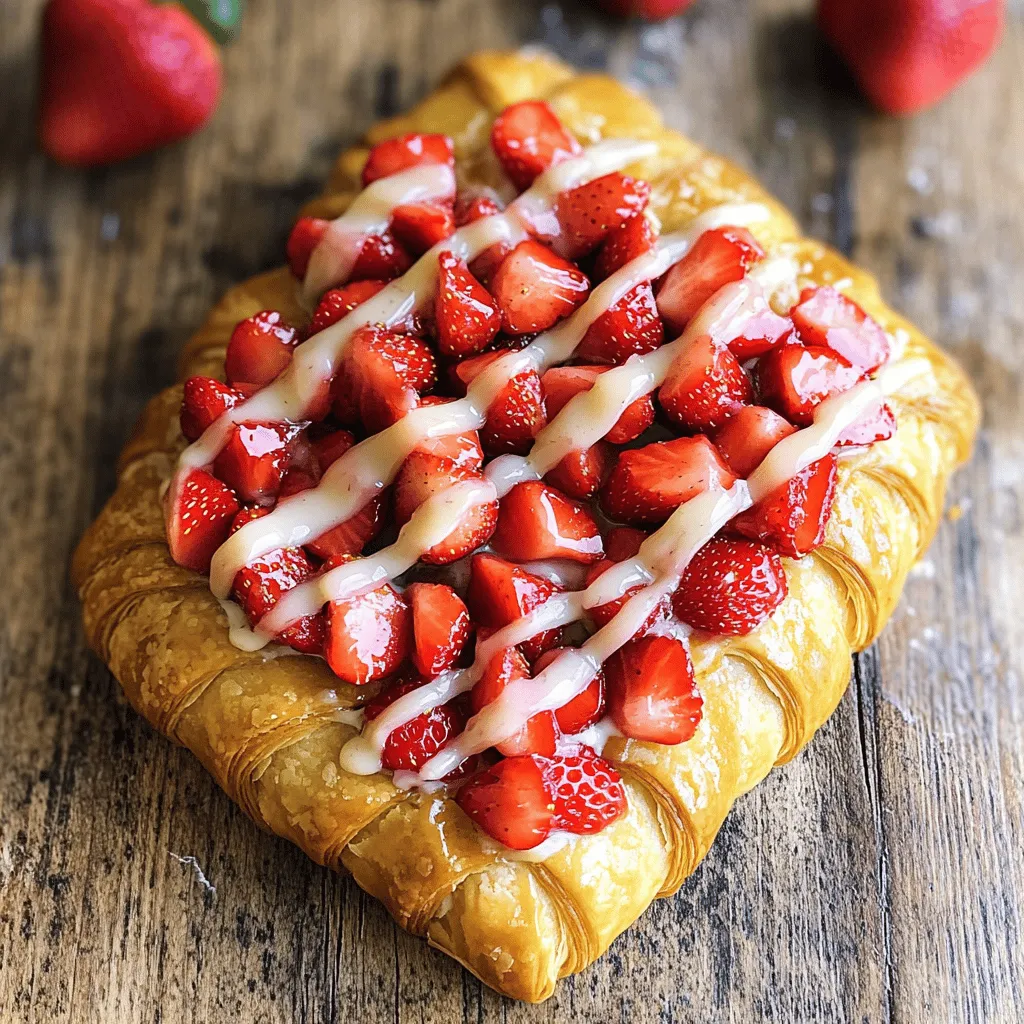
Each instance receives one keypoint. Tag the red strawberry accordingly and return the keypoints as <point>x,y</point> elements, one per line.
<point>516,415</point>
<point>536,522</point>
<point>410,746</point>
<point>880,425</point>
<point>255,458</point>
<point>528,138</point>
<point>351,536</point>
<point>501,592</point>
<point>749,436</point>
<point>421,477</point>
<point>652,694</point>
<point>122,77</point>
<point>296,480</point>
<point>649,10</point>
<point>304,238</point>
<point>585,708</point>
<point>368,636</point>
<point>622,542</point>
<point>705,386</point>
<point>337,303</point>
<point>623,245</point>
<point>794,380</point>
<point>462,449</point>
<point>404,152</point>
<point>718,257</point>
<point>730,587</point>
<point>534,288</point>
<point>602,614</point>
<point>760,334</point>
<point>203,401</point>
<point>199,520</point>
<point>648,484</point>
<point>261,346</point>
<point>589,212</point>
<point>792,519</point>
<point>469,208</point>
<point>563,383</point>
<point>588,793</point>
<point>440,627</point>
<point>907,54</point>
<point>420,226</point>
<point>581,473</point>
<point>466,316</point>
<point>511,802</point>
<point>631,326</point>
<point>539,734</point>
<point>330,447</point>
<point>381,258</point>
<point>829,319</point>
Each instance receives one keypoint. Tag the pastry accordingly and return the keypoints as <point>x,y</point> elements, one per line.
<point>494,547</point>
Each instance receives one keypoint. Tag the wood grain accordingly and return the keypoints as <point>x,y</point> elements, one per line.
<point>876,878</point>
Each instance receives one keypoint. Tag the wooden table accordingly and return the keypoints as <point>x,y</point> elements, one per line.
<point>877,878</point>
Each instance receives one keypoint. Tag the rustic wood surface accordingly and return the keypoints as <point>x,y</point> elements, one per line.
<point>879,877</point>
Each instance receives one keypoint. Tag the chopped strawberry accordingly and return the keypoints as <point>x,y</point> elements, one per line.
<point>255,458</point>
<point>793,518</point>
<point>295,480</point>
<point>879,425</point>
<point>381,258</point>
<point>199,520</point>
<point>631,326</point>
<point>351,536</point>
<point>794,380</point>
<point>501,592</point>
<point>421,477</point>
<point>337,303</point>
<point>730,587</point>
<point>652,694</point>
<point>410,746</point>
<point>588,793</point>
<point>420,226</point>
<point>746,438</point>
<point>369,635</point>
<point>563,383</point>
<point>539,734</point>
<point>536,522</point>
<point>623,245</point>
<point>392,156</point>
<point>585,708</point>
<point>602,614</point>
<point>648,484</point>
<point>719,257</point>
<point>466,316</point>
<point>827,318</point>
<point>440,627</point>
<point>470,208</point>
<point>589,212</point>
<point>462,449</point>
<point>534,288</point>
<point>528,138</point>
<point>705,386</point>
<point>203,401</point>
<point>261,346</point>
<point>581,473</point>
<point>330,447</point>
<point>304,238</point>
<point>511,802</point>
<point>516,415</point>
<point>760,334</point>
<point>622,542</point>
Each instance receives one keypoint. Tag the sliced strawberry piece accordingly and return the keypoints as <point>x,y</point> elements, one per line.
<point>404,152</point>
<point>648,484</point>
<point>255,458</point>
<point>369,635</point>
<point>719,257</point>
<point>511,802</point>
<point>203,401</point>
<point>409,747</point>
<point>652,694</point>
<point>730,587</point>
<point>705,386</point>
<point>420,226</point>
<point>589,212</point>
<point>563,383</point>
<point>631,326</point>
<point>351,536</point>
<point>746,438</point>
<point>330,447</point>
<point>580,474</point>
<point>794,380</point>
<point>585,708</point>
<point>467,317</point>
<point>440,627</point>
<point>623,245</point>
<point>516,415</point>
<point>760,334</point>
<point>540,733</point>
<point>470,208</point>
<point>501,592</point>
<point>828,318</point>
<point>296,480</point>
<point>602,614</point>
<point>588,793</point>
<point>199,520</point>
<point>622,542</point>
<point>793,518</point>
<point>421,477</point>
<point>381,258</point>
<point>880,425</point>
<point>336,303</point>
<point>304,238</point>
<point>535,289</point>
<point>261,346</point>
<point>462,449</point>
<point>536,522</point>
<point>528,138</point>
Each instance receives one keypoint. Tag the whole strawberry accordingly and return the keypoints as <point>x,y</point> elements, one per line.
<point>122,77</point>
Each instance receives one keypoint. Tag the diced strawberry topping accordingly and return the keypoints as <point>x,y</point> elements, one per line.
<point>629,327</point>
<point>420,226</point>
<point>649,483</point>
<point>467,317</point>
<point>511,802</point>
<point>587,792</point>
<point>337,303</point>
<point>261,346</point>
<point>381,258</point>
<point>535,289</point>
<point>622,542</point>
<point>589,212</point>
<point>199,520</point>
<point>563,383</point>
<point>369,635</point>
<point>760,334</point>
<point>602,614</point>
<point>705,386</point>
<point>440,627</point>
<point>516,414</point>
<point>404,152</point>
<point>879,425</point>
<point>462,449</point>
<point>469,207</point>
<point>580,474</point>
<point>528,138</point>
<point>539,734</point>
<point>585,708</point>
<point>828,318</point>
<point>794,380</point>
<point>793,518</point>
<point>652,694</point>
<point>536,522</point>
<point>296,480</point>
<point>351,536</point>
<point>330,447</point>
<point>730,587</point>
<point>304,238</point>
<point>203,401</point>
<point>255,458</point>
<point>747,438</point>
<point>719,257</point>
<point>623,245</point>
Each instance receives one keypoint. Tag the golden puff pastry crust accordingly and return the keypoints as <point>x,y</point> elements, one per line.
<point>270,728</point>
